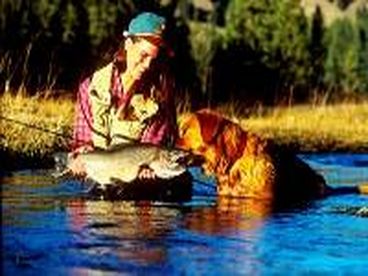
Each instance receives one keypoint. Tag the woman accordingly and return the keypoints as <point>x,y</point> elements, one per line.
<point>131,98</point>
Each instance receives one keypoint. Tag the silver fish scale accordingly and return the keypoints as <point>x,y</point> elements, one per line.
<point>124,163</point>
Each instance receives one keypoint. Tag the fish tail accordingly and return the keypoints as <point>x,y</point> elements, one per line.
<point>363,188</point>
<point>60,161</point>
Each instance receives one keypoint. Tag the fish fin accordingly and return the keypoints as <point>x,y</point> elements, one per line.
<point>64,173</point>
<point>127,175</point>
<point>169,174</point>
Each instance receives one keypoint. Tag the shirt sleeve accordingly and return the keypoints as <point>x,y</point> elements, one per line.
<point>91,126</point>
<point>100,97</point>
<point>155,133</point>
<point>161,130</point>
<point>82,134</point>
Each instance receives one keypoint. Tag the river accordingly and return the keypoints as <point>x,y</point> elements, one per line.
<point>49,227</point>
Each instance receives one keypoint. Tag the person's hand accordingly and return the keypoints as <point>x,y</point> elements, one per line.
<point>146,173</point>
<point>81,149</point>
<point>76,166</point>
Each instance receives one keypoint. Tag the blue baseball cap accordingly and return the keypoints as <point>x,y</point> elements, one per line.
<point>146,24</point>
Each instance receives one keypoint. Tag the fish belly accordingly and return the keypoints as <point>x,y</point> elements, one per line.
<point>165,172</point>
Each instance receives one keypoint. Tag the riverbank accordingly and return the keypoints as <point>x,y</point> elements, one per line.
<point>33,128</point>
<point>309,128</point>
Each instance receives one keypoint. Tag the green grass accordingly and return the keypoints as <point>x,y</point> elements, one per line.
<point>331,11</point>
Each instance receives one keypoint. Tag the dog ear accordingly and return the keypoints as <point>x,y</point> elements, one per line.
<point>209,124</point>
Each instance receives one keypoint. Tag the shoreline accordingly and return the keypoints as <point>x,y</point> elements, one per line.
<point>335,128</point>
<point>16,161</point>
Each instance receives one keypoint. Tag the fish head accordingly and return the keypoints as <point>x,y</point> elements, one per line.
<point>173,162</point>
<point>61,160</point>
<point>183,157</point>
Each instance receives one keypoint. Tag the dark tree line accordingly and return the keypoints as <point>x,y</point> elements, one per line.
<point>270,51</point>
<point>245,50</point>
<point>52,44</point>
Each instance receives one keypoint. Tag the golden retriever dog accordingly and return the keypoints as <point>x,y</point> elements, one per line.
<point>246,165</point>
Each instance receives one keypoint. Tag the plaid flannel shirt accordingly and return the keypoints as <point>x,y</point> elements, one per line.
<point>160,131</point>
<point>82,135</point>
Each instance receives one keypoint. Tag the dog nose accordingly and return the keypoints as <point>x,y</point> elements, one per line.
<point>197,160</point>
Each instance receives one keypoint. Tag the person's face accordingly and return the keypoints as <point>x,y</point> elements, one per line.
<point>139,55</point>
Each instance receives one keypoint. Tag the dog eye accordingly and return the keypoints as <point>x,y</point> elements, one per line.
<point>183,131</point>
<point>202,148</point>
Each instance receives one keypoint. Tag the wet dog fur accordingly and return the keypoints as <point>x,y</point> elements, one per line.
<point>246,165</point>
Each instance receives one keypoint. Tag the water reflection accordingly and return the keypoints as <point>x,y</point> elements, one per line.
<point>25,196</point>
<point>126,219</point>
<point>228,215</point>
<point>122,229</point>
<point>51,228</point>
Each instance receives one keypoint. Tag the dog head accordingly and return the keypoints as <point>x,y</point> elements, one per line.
<point>217,139</point>
<point>199,133</point>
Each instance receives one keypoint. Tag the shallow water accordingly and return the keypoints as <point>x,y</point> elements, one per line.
<point>50,228</point>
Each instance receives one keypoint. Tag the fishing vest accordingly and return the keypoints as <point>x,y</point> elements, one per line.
<point>107,99</point>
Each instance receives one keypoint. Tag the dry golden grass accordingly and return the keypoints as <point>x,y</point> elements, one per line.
<point>23,119</point>
<point>305,127</point>
<point>314,128</point>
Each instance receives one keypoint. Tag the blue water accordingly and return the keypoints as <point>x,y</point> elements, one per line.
<point>49,228</point>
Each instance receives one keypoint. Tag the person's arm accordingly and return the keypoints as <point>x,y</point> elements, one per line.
<point>100,97</point>
<point>91,118</point>
<point>91,126</point>
<point>162,129</point>
<point>155,133</point>
<point>159,132</point>
<point>129,122</point>
<point>82,133</point>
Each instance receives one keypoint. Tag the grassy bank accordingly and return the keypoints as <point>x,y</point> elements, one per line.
<point>339,127</point>
<point>32,128</point>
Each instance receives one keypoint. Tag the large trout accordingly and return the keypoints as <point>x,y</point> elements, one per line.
<point>124,162</point>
